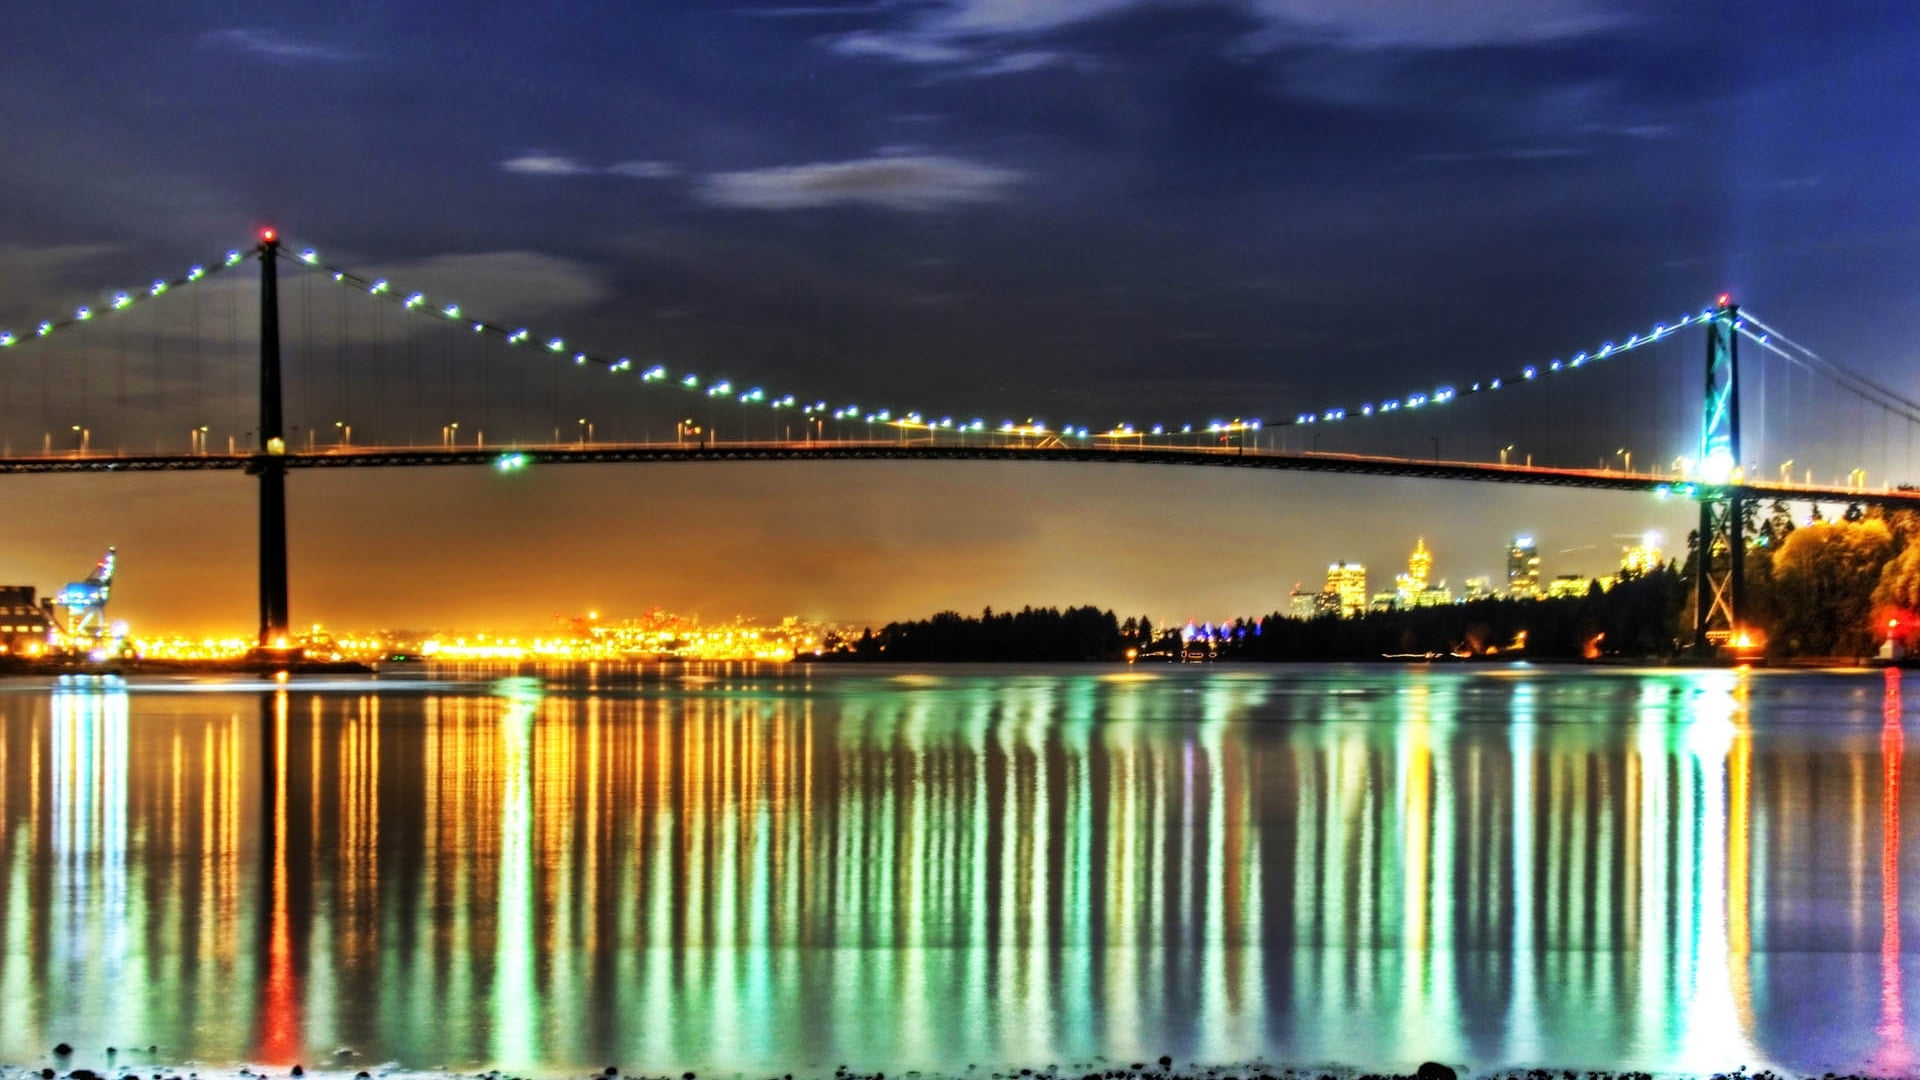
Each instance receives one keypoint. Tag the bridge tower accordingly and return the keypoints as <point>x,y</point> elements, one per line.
<point>269,462</point>
<point>1720,562</point>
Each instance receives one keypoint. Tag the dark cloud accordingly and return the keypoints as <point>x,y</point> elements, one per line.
<point>1435,24</point>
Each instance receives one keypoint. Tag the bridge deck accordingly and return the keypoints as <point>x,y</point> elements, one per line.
<point>655,453</point>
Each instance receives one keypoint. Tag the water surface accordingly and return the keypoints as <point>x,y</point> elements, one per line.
<point>740,870</point>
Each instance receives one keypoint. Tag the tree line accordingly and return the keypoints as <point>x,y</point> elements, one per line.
<point>1825,588</point>
<point>1832,588</point>
<point>1636,617</point>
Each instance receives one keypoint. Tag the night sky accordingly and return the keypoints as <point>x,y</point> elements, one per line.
<point>1093,209</point>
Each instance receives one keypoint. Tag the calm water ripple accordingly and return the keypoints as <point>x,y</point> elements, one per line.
<point>740,870</point>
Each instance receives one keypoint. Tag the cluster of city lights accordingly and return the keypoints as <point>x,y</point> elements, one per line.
<point>658,638</point>
<point>179,647</point>
<point>382,288</point>
<point>121,301</point>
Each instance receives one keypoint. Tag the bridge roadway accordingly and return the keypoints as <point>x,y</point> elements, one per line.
<point>600,453</point>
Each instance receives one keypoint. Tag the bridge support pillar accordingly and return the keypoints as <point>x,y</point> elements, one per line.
<point>270,459</point>
<point>1720,560</point>
<point>1720,580</point>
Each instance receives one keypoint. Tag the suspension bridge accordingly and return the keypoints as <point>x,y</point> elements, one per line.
<point>202,386</point>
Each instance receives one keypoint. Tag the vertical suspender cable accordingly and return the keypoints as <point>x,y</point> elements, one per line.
<point>160,387</point>
<point>415,376</point>
<point>453,385</point>
<point>233,344</point>
<point>477,348</point>
<point>86,393</point>
<point>380,369</point>
<point>199,389</point>
<point>120,362</point>
<point>307,366</point>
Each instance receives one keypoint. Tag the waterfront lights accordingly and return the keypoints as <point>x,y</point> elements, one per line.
<point>510,462</point>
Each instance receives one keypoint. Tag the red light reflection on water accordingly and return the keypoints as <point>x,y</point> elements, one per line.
<point>1894,1055</point>
<point>278,1022</point>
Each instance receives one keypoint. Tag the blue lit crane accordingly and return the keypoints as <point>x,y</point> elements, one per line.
<point>85,606</point>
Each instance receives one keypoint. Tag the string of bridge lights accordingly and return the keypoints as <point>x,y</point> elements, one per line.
<point>691,382</point>
<point>420,303</point>
<point>122,300</point>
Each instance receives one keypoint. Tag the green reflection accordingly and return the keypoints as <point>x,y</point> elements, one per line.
<point>1496,866</point>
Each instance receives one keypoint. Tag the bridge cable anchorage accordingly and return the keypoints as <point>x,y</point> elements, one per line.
<point>420,304</point>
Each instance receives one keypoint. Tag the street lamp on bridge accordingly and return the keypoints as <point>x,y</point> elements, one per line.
<point>1784,467</point>
<point>1626,465</point>
<point>82,437</point>
<point>586,430</point>
<point>1504,451</point>
<point>346,432</point>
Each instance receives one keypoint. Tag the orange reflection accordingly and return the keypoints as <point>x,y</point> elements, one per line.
<point>279,1040</point>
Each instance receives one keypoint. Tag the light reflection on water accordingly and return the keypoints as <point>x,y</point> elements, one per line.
<point>764,872</point>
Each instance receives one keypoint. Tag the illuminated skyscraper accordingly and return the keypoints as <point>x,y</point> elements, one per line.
<point>1349,582</point>
<point>1415,588</point>
<point>1523,569</point>
<point>1302,604</point>
<point>1419,567</point>
<point>1643,557</point>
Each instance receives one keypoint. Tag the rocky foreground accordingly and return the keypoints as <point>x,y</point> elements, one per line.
<point>1164,1069</point>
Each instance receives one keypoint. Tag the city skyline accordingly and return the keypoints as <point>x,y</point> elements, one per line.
<point>173,581</point>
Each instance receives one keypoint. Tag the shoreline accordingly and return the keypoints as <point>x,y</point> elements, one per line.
<point>245,665</point>
<point>252,665</point>
<point>1257,1070</point>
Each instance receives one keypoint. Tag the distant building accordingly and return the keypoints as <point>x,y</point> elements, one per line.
<point>1523,569</point>
<point>24,622</point>
<point>1302,604</point>
<point>1644,557</point>
<point>1384,601</point>
<point>1327,602</point>
<point>1419,569</point>
<point>1348,581</point>
<point>1479,588</point>
<point>1568,586</point>
<point>1432,596</point>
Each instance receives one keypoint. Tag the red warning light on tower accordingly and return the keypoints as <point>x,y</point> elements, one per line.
<point>268,236</point>
<point>1726,299</point>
